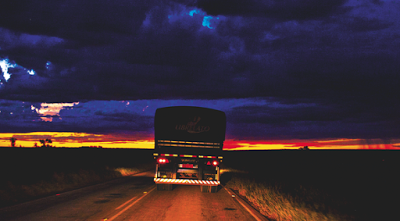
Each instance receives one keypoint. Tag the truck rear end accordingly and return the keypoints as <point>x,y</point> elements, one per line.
<point>188,147</point>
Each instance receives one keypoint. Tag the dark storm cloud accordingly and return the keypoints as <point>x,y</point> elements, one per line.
<point>92,117</point>
<point>280,9</point>
<point>83,22</point>
<point>366,24</point>
<point>308,121</point>
<point>15,116</point>
<point>151,55</point>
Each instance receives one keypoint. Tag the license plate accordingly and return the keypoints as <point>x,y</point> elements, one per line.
<point>187,166</point>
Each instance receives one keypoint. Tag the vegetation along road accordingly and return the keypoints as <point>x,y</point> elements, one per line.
<point>132,198</point>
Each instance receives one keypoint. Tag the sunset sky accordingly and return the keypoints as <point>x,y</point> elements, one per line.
<point>323,74</point>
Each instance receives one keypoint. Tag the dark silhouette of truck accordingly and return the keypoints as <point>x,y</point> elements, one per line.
<point>188,147</point>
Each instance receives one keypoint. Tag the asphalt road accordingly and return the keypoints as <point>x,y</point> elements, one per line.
<point>131,198</point>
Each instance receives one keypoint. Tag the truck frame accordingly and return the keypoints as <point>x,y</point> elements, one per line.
<point>188,147</point>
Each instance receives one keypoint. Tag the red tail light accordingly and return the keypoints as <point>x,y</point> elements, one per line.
<point>162,160</point>
<point>213,163</point>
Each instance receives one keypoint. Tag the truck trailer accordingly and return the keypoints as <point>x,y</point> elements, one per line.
<point>188,147</point>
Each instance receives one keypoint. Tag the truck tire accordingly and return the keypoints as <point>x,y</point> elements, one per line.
<point>168,187</point>
<point>161,187</point>
<point>204,189</point>
<point>208,189</point>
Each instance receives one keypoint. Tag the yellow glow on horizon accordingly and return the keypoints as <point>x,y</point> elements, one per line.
<point>333,144</point>
<point>249,146</point>
<point>74,140</point>
<point>282,146</point>
<point>260,146</point>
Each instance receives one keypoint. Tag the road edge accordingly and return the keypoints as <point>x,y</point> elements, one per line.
<point>253,212</point>
<point>57,197</point>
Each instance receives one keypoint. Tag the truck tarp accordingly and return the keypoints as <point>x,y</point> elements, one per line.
<point>190,124</point>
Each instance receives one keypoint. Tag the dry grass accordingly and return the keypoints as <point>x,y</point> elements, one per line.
<point>12,193</point>
<point>125,171</point>
<point>301,204</point>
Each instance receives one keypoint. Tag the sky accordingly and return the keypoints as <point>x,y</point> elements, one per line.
<point>287,73</point>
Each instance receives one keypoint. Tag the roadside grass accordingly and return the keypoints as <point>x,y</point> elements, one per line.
<point>31,173</point>
<point>13,192</point>
<point>282,202</point>
<point>127,171</point>
<point>318,185</point>
<point>16,191</point>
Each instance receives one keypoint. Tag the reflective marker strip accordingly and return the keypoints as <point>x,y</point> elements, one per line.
<point>207,156</point>
<point>176,155</point>
<point>187,155</point>
<point>184,181</point>
<point>213,157</point>
<point>169,155</point>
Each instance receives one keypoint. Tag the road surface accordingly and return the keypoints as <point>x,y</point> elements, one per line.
<point>131,198</point>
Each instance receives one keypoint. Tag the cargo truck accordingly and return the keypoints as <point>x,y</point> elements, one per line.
<point>188,147</point>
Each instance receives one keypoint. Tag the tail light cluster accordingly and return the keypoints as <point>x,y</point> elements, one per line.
<point>213,163</point>
<point>209,163</point>
<point>162,160</point>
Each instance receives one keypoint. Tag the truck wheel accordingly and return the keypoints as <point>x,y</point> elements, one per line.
<point>204,189</point>
<point>167,187</point>
<point>208,189</point>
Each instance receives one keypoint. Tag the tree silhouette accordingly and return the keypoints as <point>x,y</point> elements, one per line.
<point>13,139</point>
<point>43,142</point>
<point>304,148</point>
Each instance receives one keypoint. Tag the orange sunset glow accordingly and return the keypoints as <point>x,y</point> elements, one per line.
<point>76,140</point>
<point>339,144</point>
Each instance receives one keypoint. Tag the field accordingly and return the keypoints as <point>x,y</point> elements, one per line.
<point>29,173</point>
<point>283,185</point>
<point>318,185</point>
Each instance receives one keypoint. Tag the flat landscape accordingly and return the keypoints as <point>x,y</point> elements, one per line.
<point>359,184</point>
<point>330,185</point>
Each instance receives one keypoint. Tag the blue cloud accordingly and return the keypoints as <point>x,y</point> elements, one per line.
<point>208,21</point>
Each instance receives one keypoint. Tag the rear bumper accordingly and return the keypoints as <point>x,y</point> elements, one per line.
<point>186,182</point>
